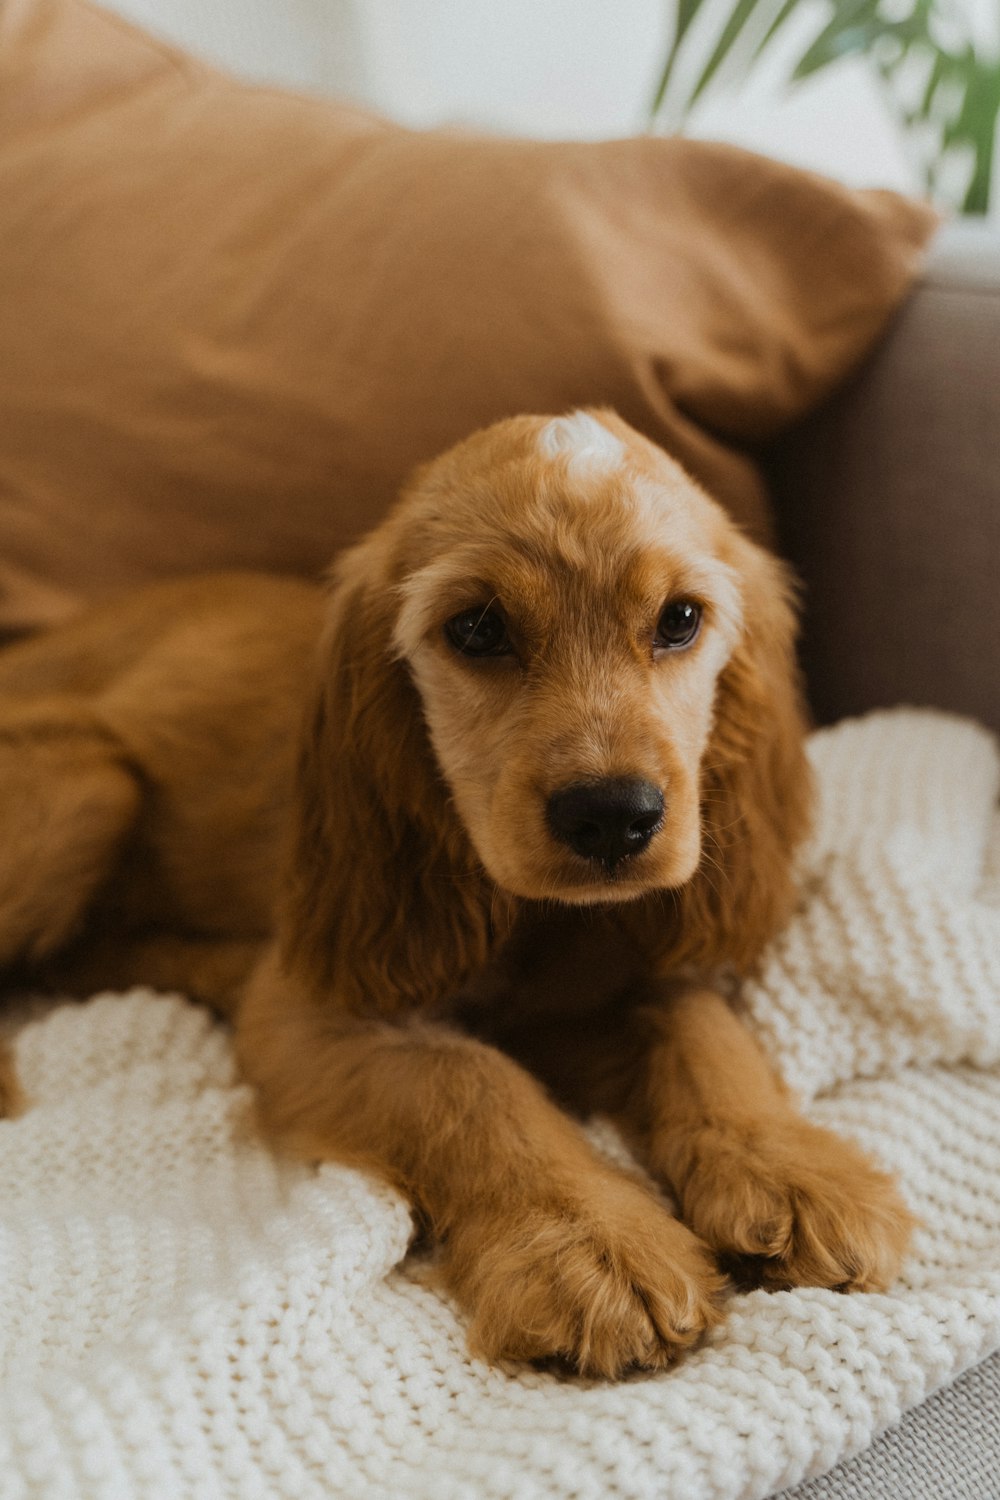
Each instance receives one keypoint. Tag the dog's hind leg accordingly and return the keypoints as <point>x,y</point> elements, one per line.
<point>211,970</point>
<point>68,801</point>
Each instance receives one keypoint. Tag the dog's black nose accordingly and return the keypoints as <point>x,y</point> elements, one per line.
<point>606,820</point>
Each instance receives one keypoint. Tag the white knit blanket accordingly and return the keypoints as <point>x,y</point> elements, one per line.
<point>184,1315</point>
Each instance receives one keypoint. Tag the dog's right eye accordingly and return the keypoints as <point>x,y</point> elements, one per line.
<point>478,632</point>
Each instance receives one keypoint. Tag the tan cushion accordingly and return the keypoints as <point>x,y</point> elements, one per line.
<point>231,318</point>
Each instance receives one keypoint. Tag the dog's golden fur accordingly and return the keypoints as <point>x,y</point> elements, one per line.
<point>424,978</point>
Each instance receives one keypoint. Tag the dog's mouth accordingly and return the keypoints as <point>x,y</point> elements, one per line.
<point>595,881</point>
<point>574,879</point>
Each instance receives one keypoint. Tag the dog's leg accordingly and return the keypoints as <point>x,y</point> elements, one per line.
<point>210,970</point>
<point>550,1250</point>
<point>12,1098</point>
<point>67,803</point>
<point>753,1178</point>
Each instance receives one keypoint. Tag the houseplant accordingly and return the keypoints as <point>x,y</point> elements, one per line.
<point>939,73</point>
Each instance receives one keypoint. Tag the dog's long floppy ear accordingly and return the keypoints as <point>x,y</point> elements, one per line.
<point>756,783</point>
<point>385,908</point>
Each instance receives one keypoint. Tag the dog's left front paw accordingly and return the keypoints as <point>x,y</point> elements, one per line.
<point>791,1204</point>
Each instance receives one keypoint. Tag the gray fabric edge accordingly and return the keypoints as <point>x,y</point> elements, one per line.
<point>947,1448</point>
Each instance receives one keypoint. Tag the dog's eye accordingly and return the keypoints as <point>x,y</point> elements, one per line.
<point>478,632</point>
<point>678,624</point>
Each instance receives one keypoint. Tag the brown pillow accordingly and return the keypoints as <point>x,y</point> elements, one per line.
<point>232,318</point>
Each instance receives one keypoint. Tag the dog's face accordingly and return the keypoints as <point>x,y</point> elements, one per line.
<point>568,600</point>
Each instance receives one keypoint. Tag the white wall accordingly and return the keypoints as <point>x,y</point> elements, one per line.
<point>589,68</point>
<point>309,44</point>
<point>539,67</point>
<point>575,68</point>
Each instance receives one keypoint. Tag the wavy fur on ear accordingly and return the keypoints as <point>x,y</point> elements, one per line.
<point>756,785</point>
<point>387,908</point>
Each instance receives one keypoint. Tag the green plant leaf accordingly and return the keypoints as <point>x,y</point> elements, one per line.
<point>937,75</point>
<point>976,125</point>
<point>852,28</point>
<point>776,23</point>
<point>687,13</point>
<point>857,28</point>
<point>743,12</point>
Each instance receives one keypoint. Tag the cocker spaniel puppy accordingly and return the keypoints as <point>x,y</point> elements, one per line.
<point>547,789</point>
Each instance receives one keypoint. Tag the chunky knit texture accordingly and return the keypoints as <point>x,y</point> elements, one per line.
<point>184,1315</point>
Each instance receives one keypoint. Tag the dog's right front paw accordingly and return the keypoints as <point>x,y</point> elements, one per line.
<point>608,1284</point>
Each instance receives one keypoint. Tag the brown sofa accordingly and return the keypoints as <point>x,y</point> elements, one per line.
<point>889,502</point>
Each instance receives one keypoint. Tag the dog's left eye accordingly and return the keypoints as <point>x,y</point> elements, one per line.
<point>678,624</point>
<point>478,632</point>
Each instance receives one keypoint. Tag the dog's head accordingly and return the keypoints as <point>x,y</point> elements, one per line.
<point>569,601</point>
<point>556,672</point>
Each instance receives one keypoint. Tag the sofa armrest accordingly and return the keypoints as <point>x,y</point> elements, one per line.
<point>889,503</point>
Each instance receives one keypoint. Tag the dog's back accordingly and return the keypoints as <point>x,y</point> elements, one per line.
<point>146,757</point>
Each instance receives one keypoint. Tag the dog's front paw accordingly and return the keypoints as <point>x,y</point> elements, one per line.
<point>606,1281</point>
<point>789,1204</point>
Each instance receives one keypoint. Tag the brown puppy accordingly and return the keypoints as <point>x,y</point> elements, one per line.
<point>549,785</point>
